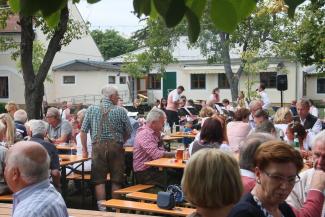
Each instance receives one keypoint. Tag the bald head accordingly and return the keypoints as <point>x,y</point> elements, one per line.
<point>30,159</point>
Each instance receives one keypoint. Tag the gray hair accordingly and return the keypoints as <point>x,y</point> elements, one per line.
<point>38,127</point>
<point>248,149</point>
<point>108,91</point>
<point>32,169</point>
<point>20,115</point>
<point>82,113</point>
<point>319,137</point>
<point>304,102</point>
<point>54,112</point>
<point>265,127</point>
<point>155,114</point>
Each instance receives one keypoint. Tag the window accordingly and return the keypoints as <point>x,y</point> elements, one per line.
<point>320,85</point>
<point>197,81</point>
<point>4,87</point>
<point>111,79</point>
<point>122,80</point>
<point>71,79</point>
<point>269,79</point>
<point>223,81</point>
<point>154,82</point>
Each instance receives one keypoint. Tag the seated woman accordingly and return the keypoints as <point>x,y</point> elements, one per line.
<point>277,166</point>
<point>238,129</point>
<point>211,136</point>
<point>3,150</point>
<point>281,119</point>
<point>10,134</point>
<point>211,182</point>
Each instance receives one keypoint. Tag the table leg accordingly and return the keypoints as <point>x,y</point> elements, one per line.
<point>82,183</point>
<point>64,181</point>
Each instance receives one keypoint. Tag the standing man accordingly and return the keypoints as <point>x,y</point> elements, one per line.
<point>172,106</point>
<point>306,119</point>
<point>27,175</point>
<point>109,128</point>
<point>264,96</point>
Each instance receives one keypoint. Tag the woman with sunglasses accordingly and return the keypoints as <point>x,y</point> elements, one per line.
<point>277,166</point>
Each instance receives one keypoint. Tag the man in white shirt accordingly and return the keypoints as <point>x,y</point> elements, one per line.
<point>299,193</point>
<point>310,122</point>
<point>264,96</point>
<point>172,106</point>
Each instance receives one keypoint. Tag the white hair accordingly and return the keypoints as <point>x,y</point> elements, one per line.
<point>54,112</point>
<point>38,127</point>
<point>20,115</point>
<point>319,137</point>
<point>31,170</point>
<point>254,103</point>
<point>155,114</point>
<point>108,91</point>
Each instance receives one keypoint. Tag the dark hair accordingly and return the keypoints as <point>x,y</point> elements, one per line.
<point>215,89</point>
<point>298,128</point>
<point>162,106</point>
<point>190,102</point>
<point>241,114</point>
<point>183,97</point>
<point>211,131</point>
<point>278,152</point>
<point>262,86</point>
<point>181,88</point>
<point>225,101</point>
<point>261,113</point>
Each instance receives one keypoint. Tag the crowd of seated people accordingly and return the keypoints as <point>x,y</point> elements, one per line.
<point>265,181</point>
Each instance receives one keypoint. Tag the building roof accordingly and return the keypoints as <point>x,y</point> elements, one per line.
<point>12,25</point>
<point>182,52</point>
<point>86,65</point>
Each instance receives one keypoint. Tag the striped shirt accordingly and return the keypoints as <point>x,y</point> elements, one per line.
<point>146,148</point>
<point>115,127</point>
<point>39,200</point>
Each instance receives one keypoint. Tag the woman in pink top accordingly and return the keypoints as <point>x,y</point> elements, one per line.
<point>238,129</point>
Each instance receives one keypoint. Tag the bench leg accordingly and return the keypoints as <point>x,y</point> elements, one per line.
<point>118,210</point>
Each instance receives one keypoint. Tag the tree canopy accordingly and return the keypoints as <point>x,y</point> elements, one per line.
<point>112,44</point>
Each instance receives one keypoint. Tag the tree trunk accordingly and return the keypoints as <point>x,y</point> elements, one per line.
<point>34,82</point>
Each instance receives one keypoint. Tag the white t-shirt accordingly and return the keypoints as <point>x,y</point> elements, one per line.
<point>173,97</point>
<point>265,99</point>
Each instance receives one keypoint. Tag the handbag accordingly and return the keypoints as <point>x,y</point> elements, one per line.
<point>165,200</point>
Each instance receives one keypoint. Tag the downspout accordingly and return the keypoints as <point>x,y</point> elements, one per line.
<point>296,92</point>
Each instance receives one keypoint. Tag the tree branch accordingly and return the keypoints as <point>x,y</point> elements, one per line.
<point>53,47</point>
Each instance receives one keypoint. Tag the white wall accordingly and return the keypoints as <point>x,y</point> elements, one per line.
<point>16,85</point>
<point>87,83</point>
<point>311,83</point>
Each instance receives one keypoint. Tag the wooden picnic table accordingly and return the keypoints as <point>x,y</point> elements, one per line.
<point>66,147</point>
<point>166,163</point>
<point>6,209</point>
<point>183,135</point>
<point>67,160</point>
<point>128,149</point>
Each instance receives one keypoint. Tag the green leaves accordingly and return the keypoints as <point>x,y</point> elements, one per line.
<point>223,15</point>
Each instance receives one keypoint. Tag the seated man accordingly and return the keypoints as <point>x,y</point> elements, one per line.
<point>26,173</point>
<point>20,118</point>
<point>148,146</point>
<point>302,189</point>
<point>38,133</point>
<point>59,131</point>
<point>309,121</point>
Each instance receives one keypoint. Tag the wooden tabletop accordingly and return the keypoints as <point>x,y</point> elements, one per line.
<point>128,149</point>
<point>6,209</point>
<point>67,159</point>
<point>168,138</point>
<point>66,147</point>
<point>166,163</point>
<point>183,135</point>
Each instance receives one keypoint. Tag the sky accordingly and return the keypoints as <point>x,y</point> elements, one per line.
<point>111,14</point>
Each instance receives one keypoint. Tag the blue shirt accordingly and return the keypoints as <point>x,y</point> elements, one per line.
<point>39,200</point>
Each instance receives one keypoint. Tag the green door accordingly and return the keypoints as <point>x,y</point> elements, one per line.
<point>169,83</point>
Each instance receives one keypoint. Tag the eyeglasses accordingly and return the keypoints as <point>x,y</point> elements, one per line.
<point>291,180</point>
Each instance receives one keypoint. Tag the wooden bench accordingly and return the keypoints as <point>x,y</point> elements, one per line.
<point>87,176</point>
<point>133,188</point>
<point>6,198</point>
<point>143,196</point>
<point>146,207</point>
